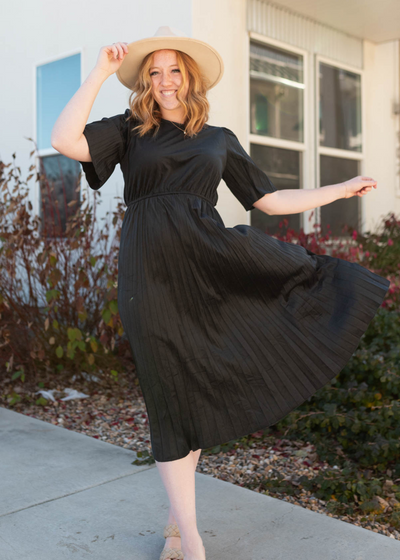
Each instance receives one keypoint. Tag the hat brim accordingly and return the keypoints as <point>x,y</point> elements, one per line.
<point>209,61</point>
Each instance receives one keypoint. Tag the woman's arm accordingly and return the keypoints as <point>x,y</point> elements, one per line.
<point>67,135</point>
<point>294,201</point>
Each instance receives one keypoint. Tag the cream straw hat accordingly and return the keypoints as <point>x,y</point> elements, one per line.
<point>207,58</point>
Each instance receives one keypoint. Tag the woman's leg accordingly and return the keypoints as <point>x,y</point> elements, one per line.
<point>179,481</point>
<point>196,457</point>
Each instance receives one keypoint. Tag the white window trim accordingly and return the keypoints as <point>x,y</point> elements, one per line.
<point>345,154</point>
<point>307,163</point>
<point>48,151</point>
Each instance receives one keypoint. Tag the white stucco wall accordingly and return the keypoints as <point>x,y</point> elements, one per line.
<point>223,25</point>
<point>42,31</point>
<point>381,162</point>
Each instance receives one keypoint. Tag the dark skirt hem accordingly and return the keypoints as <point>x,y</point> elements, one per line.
<point>364,310</point>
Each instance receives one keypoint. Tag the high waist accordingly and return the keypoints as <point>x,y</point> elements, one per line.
<point>131,202</point>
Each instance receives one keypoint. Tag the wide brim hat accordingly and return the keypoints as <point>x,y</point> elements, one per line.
<point>208,59</point>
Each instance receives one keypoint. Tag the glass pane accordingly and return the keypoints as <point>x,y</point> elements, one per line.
<point>339,108</point>
<point>58,186</point>
<point>276,92</point>
<point>345,210</point>
<point>56,83</point>
<point>283,167</point>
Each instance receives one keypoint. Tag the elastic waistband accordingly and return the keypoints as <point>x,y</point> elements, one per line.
<point>168,193</point>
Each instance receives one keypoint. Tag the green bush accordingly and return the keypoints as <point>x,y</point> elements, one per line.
<point>354,421</point>
<point>360,408</point>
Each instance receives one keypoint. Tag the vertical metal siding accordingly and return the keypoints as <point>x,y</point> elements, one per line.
<point>297,30</point>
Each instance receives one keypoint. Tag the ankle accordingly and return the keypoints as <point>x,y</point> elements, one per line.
<point>171,518</point>
<point>192,545</point>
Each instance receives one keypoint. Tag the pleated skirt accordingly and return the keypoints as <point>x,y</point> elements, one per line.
<point>230,329</point>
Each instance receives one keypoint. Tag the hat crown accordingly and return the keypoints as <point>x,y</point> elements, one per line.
<point>166,31</point>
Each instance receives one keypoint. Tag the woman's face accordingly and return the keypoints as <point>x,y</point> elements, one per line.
<point>166,79</point>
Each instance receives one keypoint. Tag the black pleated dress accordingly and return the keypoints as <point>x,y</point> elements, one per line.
<point>230,329</point>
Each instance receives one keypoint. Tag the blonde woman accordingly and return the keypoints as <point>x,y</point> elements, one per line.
<point>230,329</point>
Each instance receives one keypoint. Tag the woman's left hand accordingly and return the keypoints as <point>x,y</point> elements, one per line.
<point>359,186</point>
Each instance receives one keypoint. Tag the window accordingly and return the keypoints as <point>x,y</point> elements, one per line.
<point>276,92</point>
<point>277,88</point>
<point>340,142</point>
<point>59,186</point>
<point>340,108</point>
<point>56,83</point>
<point>283,168</point>
<point>343,211</point>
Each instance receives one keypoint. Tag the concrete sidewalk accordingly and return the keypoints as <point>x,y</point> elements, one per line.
<point>67,495</point>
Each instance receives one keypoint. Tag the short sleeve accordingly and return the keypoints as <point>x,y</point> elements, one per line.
<point>245,180</point>
<point>107,140</point>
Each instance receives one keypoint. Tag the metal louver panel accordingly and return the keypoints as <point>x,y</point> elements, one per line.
<point>286,26</point>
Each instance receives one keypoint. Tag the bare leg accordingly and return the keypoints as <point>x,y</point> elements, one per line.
<point>179,481</point>
<point>171,518</point>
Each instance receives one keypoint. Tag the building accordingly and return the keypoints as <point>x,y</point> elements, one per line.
<point>311,88</point>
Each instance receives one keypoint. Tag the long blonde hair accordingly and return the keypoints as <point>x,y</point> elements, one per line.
<point>146,109</point>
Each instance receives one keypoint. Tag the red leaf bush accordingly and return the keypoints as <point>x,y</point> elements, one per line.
<point>58,295</point>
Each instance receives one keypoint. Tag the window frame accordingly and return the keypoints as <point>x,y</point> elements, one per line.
<point>307,177</point>
<point>338,152</point>
<point>43,152</point>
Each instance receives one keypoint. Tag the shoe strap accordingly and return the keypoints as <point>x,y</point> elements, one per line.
<point>171,554</point>
<point>171,530</point>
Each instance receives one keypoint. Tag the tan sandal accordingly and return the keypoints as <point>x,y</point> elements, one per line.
<point>171,553</point>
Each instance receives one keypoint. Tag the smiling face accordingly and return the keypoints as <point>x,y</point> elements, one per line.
<point>166,78</point>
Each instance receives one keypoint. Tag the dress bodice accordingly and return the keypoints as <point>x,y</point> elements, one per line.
<point>171,162</point>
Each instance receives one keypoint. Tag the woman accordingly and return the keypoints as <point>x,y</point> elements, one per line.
<point>230,328</point>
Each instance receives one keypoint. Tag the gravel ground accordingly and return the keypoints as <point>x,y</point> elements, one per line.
<point>122,420</point>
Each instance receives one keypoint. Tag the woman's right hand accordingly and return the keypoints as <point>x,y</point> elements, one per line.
<point>111,57</point>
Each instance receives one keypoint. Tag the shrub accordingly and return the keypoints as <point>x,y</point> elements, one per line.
<point>378,251</point>
<point>58,295</point>
<point>354,421</point>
